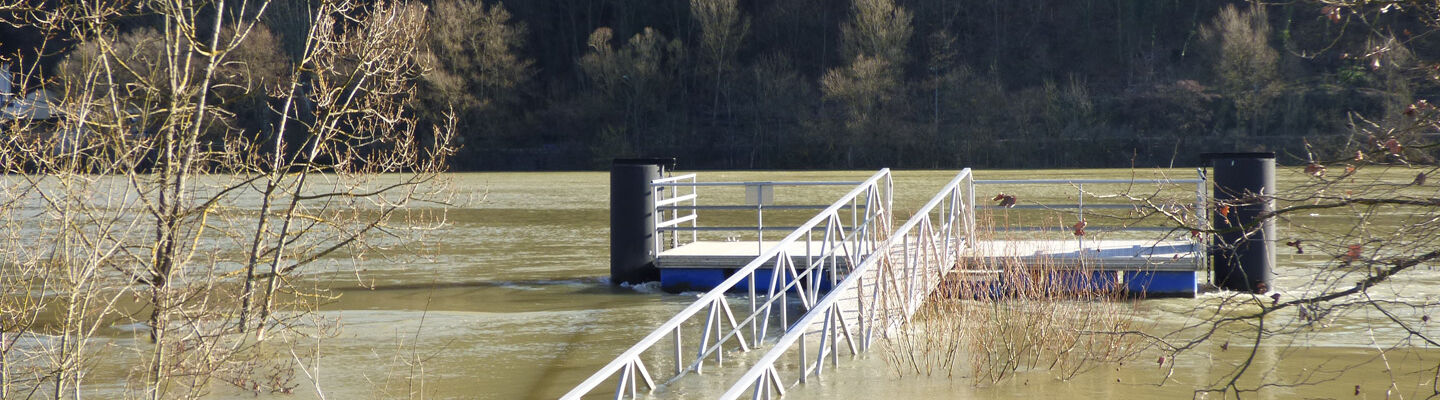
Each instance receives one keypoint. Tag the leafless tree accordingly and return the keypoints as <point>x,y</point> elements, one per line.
<point>869,86</point>
<point>149,199</point>
<point>1246,65</point>
<point>476,69</point>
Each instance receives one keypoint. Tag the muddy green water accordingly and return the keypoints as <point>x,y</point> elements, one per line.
<point>510,300</point>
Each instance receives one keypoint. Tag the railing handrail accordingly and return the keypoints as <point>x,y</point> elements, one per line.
<point>929,206</point>
<point>673,178</point>
<point>821,309</point>
<point>658,182</point>
<point>1198,206</point>
<point>1080,181</point>
<point>717,293</point>
<point>749,207</point>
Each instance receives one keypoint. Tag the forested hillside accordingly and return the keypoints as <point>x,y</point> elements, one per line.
<point>566,84</point>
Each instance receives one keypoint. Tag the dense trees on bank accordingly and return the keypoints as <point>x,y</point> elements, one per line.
<point>904,83</point>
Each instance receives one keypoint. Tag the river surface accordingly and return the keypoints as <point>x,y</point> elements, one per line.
<point>510,300</point>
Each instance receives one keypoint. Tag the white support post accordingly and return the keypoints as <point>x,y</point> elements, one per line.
<point>1202,222</point>
<point>1081,236</point>
<point>679,353</point>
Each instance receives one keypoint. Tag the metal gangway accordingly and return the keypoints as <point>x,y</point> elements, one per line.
<point>889,274</point>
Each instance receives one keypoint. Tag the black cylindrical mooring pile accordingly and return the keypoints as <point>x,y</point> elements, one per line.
<point>632,219</point>
<point>1244,249</point>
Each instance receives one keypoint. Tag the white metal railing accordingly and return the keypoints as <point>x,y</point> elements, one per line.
<point>1198,209</point>
<point>673,214</point>
<point>880,293</point>
<point>767,307</point>
<point>667,200</point>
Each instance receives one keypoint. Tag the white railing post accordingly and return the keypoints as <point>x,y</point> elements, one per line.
<point>655,193</point>
<point>1080,234</point>
<point>760,225</point>
<point>694,202</point>
<point>971,205</point>
<point>1202,223</point>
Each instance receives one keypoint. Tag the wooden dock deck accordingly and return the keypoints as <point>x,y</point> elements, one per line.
<point>1103,255</point>
<point>732,255</point>
<point>1109,255</point>
<point>1163,267</point>
<point>703,265</point>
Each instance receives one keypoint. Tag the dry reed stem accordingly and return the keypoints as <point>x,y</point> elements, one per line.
<point>1003,316</point>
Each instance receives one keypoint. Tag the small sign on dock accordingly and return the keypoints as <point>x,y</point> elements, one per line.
<point>759,194</point>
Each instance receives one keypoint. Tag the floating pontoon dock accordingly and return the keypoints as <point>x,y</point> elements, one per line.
<point>1153,267</point>
<point>847,275</point>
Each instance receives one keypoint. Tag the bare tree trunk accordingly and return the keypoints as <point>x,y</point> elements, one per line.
<point>276,173</point>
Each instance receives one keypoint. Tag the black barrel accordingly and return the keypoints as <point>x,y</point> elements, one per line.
<point>1244,249</point>
<point>632,219</point>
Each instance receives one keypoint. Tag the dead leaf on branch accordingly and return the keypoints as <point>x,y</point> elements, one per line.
<point>1005,200</point>
<point>1352,253</point>
<point>1393,146</point>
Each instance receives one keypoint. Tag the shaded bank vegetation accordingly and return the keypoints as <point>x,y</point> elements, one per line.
<point>920,83</point>
<point>901,83</point>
